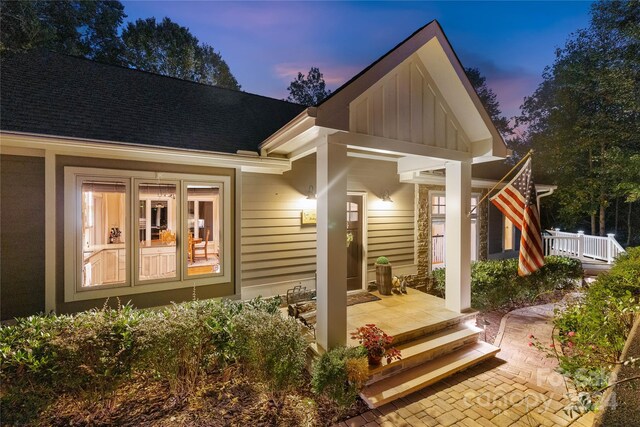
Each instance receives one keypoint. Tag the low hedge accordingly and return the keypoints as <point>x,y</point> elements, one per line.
<point>495,283</point>
<point>92,353</point>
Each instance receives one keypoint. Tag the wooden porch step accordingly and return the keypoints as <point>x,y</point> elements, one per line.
<point>426,348</point>
<point>423,375</point>
<point>432,328</point>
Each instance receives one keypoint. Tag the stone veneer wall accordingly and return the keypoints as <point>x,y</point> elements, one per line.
<point>422,279</point>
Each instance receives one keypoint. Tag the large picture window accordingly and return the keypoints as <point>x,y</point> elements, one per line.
<point>139,232</point>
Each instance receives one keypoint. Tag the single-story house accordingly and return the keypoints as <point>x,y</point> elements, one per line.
<point>118,183</point>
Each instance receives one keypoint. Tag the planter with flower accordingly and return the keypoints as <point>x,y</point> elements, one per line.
<point>377,343</point>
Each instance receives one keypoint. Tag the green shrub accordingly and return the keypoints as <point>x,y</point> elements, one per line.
<point>219,323</point>
<point>90,354</point>
<point>271,347</point>
<point>333,377</point>
<point>495,283</point>
<point>382,260</point>
<point>593,330</point>
<point>176,346</point>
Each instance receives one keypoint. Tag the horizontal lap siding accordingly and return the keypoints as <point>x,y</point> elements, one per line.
<point>277,248</point>
<point>390,227</point>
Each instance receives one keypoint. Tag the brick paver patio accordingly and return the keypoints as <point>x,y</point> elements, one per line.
<point>518,388</point>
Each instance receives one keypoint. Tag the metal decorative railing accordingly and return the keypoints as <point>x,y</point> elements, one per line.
<point>580,245</point>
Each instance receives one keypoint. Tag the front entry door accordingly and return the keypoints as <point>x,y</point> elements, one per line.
<point>354,240</point>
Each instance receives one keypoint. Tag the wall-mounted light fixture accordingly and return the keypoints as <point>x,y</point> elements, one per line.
<point>386,198</point>
<point>311,194</point>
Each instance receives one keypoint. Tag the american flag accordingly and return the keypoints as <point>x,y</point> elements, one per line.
<point>517,201</point>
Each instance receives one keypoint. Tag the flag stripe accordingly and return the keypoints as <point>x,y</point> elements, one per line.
<point>517,201</point>
<point>507,209</point>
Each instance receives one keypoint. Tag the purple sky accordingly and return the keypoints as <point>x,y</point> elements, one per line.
<point>267,43</point>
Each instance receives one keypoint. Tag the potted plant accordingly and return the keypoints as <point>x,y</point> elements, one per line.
<point>383,275</point>
<point>376,342</point>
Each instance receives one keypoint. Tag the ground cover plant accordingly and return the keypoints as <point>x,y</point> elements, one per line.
<point>195,363</point>
<point>495,284</point>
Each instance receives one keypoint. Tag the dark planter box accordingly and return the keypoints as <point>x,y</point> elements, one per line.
<point>383,278</point>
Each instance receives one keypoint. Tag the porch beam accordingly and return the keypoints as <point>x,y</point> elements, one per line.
<point>419,164</point>
<point>383,145</point>
<point>331,227</point>
<point>458,236</point>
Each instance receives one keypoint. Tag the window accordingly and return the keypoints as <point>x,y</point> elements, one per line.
<point>157,230</point>
<point>508,235</point>
<point>104,232</point>
<point>438,236</point>
<point>134,232</point>
<point>203,244</point>
<point>438,205</point>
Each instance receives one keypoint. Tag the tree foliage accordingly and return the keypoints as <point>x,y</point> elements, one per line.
<point>584,118</point>
<point>309,90</point>
<point>490,101</point>
<point>170,49</point>
<point>75,27</point>
<point>90,28</point>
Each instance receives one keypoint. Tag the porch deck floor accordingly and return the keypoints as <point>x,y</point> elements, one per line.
<point>399,314</point>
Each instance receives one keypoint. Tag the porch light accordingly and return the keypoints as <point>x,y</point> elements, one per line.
<point>386,198</point>
<point>311,194</point>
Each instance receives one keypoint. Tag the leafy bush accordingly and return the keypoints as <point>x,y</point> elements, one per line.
<point>91,353</point>
<point>340,373</point>
<point>176,345</point>
<point>593,330</point>
<point>42,356</point>
<point>270,346</point>
<point>495,283</point>
<point>382,260</point>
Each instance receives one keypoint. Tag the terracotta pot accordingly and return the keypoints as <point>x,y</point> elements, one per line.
<point>374,360</point>
<point>383,278</point>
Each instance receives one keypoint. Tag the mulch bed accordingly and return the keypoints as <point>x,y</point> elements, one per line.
<point>224,398</point>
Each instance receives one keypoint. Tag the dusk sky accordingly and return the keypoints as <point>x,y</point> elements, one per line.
<point>267,43</point>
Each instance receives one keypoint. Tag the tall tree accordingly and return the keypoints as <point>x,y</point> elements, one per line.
<point>490,101</point>
<point>170,49</point>
<point>584,118</point>
<point>75,27</point>
<point>309,90</point>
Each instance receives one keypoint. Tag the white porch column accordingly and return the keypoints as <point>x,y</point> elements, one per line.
<point>331,285</point>
<point>458,235</point>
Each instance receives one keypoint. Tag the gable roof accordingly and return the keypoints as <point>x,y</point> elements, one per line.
<point>432,46</point>
<point>49,93</point>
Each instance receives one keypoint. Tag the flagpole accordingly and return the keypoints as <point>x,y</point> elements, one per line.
<point>526,156</point>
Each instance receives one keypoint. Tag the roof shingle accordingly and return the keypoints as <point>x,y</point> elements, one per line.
<point>49,93</point>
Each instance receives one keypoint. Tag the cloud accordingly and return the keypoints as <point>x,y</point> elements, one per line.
<point>334,75</point>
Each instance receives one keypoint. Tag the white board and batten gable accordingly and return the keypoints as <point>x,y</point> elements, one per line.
<point>414,104</point>
<point>406,105</point>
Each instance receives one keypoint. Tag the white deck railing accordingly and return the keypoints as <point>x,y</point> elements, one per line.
<point>580,245</point>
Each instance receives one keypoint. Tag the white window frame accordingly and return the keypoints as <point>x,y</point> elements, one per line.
<point>73,177</point>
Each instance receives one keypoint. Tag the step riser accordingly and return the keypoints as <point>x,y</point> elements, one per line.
<point>377,400</point>
<point>418,359</point>
<point>431,329</point>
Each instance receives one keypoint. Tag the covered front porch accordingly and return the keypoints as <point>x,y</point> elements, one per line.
<point>414,108</point>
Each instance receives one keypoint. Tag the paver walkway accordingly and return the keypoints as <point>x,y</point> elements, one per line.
<point>518,388</point>
<point>523,360</point>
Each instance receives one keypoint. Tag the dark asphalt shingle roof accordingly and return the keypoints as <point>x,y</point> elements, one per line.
<point>48,93</point>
